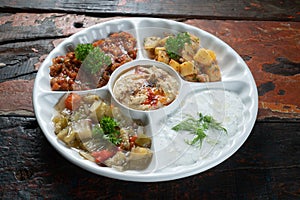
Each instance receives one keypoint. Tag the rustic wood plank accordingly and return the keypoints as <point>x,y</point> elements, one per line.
<point>33,26</point>
<point>19,59</point>
<point>267,166</point>
<point>16,97</point>
<point>254,10</point>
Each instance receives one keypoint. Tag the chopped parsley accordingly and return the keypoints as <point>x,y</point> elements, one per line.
<point>111,130</point>
<point>82,50</point>
<point>175,44</point>
<point>93,59</point>
<point>198,127</point>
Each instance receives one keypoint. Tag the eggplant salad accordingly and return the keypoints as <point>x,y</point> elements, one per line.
<point>101,133</point>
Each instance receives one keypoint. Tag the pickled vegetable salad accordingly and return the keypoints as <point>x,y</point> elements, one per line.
<point>101,133</point>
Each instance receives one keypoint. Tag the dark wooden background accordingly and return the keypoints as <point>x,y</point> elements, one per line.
<point>265,33</point>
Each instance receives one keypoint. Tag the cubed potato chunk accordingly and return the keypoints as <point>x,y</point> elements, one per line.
<point>157,49</point>
<point>162,56</point>
<point>187,68</point>
<point>212,54</point>
<point>203,57</point>
<point>175,65</point>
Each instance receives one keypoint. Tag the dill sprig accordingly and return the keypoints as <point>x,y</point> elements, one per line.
<point>198,127</point>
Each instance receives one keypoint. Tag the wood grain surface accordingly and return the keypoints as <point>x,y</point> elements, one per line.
<point>230,9</point>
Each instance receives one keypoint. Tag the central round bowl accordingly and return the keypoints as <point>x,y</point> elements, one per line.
<point>143,86</point>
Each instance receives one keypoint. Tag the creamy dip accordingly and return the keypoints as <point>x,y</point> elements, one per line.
<point>147,88</point>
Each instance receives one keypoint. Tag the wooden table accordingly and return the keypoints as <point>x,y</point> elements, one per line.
<point>265,33</point>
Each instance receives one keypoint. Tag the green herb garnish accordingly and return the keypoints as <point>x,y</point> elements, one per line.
<point>93,59</point>
<point>198,127</point>
<point>174,45</point>
<point>82,50</point>
<point>111,130</point>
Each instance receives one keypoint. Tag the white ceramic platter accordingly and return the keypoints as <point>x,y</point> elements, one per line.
<point>233,102</point>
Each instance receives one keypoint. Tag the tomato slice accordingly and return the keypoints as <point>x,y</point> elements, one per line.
<point>101,156</point>
<point>72,102</point>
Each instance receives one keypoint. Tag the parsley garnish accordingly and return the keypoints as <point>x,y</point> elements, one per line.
<point>93,59</point>
<point>82,50</point>
<point>198,127</point>
<point>174,45</point>
<point>111,130</point>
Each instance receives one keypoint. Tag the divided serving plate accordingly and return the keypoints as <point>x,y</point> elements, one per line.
<point>232,101</point>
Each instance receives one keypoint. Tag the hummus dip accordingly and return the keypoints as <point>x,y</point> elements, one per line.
<point>147,88</point>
